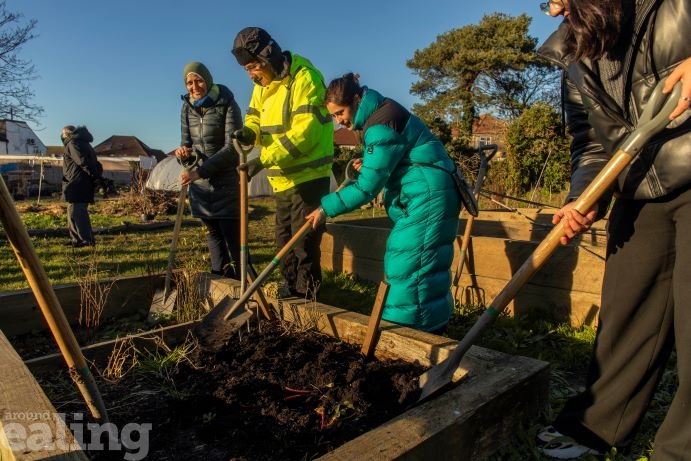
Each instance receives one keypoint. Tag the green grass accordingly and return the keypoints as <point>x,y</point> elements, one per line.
<point>567,349</point>
<point>142,253</point>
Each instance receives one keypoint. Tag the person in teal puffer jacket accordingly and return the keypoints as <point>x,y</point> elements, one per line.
<point>404,158</point>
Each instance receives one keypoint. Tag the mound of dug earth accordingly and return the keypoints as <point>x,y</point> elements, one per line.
<point>273,394</point>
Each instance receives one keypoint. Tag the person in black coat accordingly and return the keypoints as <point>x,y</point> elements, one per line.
<point>80,170</point>
<point>613,54</point>
<point>209,116</point>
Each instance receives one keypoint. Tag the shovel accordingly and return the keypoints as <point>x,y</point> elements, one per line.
<point>50,305</point>
<point>219,323</point>
<point>244,210</point>
<point>484,162</point>
<point>163,301</point>
<point>653,119</point>
<point>242,317</point>
<point>246,270</point>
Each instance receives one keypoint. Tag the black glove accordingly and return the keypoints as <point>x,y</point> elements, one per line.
<point>252,167</point>
<point>192,160</point>
<point>244,136</point>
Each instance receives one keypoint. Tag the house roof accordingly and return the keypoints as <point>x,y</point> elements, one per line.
<point>487,124</point>
<point>345,137</point>
<point>126,146</point>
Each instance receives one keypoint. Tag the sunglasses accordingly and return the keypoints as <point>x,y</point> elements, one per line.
<point>545,7</point>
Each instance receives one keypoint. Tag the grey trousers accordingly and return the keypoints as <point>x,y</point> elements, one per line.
<point>645,314</point>
<point>79,224</point>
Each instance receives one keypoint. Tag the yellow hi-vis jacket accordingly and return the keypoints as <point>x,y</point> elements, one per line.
<point>293,126</point>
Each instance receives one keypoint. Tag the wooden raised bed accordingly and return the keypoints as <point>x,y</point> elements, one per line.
<point>567,288</point>
<point>474,418</point>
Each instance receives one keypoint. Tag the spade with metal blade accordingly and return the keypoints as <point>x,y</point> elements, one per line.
<point>223,320</point>
<point>654,118</point>
<point>164,299</point>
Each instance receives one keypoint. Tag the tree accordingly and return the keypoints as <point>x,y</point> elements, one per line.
<point>16,95</point>
<point>539,153</point>
<point>450,67</point>
<point>508,93</point>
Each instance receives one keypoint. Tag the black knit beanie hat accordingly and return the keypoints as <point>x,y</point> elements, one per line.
<point>255,44</point>
<point>200,69</point>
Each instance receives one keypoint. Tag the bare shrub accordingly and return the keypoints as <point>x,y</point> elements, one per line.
<point>93,292</point>
<point>190,301</point>
<point>122,359</point>
<point>136,202</point>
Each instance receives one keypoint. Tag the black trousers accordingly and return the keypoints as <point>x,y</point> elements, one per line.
<point>223,240</point>
<point>301,267</point>
<point>645,313</point>
<point>79,224</point>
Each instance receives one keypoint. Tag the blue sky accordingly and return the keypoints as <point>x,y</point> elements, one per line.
<point>116,67</point>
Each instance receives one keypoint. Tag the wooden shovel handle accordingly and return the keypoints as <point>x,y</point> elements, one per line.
<point>47,300</point>
<point>244,211</point>
<point>174,241</point>
<point>653,119</point>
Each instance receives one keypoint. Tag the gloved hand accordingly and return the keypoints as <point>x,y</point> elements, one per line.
<point>191,160</point>
<point>252,167</point>
<point>244,136</point>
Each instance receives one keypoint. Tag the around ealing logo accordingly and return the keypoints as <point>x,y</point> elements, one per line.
<point>48,432</point>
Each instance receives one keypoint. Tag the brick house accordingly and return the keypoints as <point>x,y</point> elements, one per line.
<point>126,159</point>
<point>490,130</point>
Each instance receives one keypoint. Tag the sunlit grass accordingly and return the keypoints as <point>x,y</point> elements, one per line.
<point>144,253</point>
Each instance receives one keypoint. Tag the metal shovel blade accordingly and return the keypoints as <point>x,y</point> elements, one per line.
<point>215,331</point>
<point>162,305</point>
<point>654,118</point>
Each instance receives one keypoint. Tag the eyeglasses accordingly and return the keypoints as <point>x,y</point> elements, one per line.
<point>545,7</point>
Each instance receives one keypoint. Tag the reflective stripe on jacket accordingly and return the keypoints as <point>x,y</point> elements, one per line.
<point>293,126</point>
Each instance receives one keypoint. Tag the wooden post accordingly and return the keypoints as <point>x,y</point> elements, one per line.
<point>373,327</point>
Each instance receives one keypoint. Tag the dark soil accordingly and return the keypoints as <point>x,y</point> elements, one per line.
<point>274,394</point>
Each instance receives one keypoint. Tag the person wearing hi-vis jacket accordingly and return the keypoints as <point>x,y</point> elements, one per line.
<point>287,118</point>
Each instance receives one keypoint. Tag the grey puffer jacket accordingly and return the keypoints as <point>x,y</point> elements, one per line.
<point>79,167</point>
<point>207,129</point>
<point>599,124</point>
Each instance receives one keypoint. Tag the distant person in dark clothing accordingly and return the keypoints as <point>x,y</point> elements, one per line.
<point>209,116</point>
<point>80,170</point>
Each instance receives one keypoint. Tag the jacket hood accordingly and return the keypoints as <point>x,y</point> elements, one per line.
<point>80,133</point>
<point>297,61</point>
